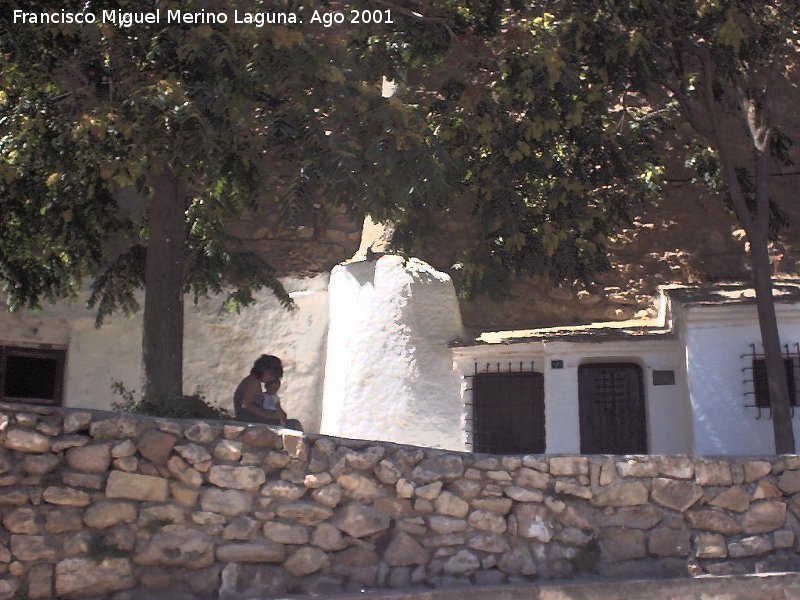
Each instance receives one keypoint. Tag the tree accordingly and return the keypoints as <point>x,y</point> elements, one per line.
<point>125,149</point>
<point>557,126</point>
<point>719,64</point>
<point>548,168</point>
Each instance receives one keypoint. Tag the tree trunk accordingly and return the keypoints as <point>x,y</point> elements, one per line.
<point>773,357</point>
<point>162,341</point>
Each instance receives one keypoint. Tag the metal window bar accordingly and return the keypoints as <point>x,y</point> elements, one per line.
<point>469,404</point>
<point>792,355</point>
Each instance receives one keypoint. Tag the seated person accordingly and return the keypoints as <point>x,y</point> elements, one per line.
<point>272,402</point>
<point>249,401</point>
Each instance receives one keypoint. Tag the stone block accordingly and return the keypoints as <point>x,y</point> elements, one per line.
<point>156,446</point>
<point>710,545</point>
<point>676,467</point>
<point>750,546</point>
<point>404,550</point>
<point>713,472</point>
<point>305,513</point>
<point>285,533</point>
<point>184,473</point>
<point>669,542</point>
<point>445,467</point>
<point>329,496</point>
<point>328,538</point>
<point>305,561</point>
<point>462,563</point>
<point>534,522</point>
<point>765,490</point>
<point>22,521</point>
<point>573,489</point>
<point>713,520</point>
<point>449,504</point>
<point>524,495</point>
<point>488,542</point>
<point>498,506</point>
<point>763,517</point>
<point>14,496</point>
<point>65,496</point>
<point>203,432</point>
<point>63,520</point>
<point>39,464</point>
<point>124,449</point>
<point>257,551</point>
<point>91,459</point>
<point>32,548</point>
<point>789,482</point>
<point>358,521</point>
<point>82,577</point>
<point>622,494</point>
<point>40,582</point>
<point>76,421</point>
<point>176,546</point>
<point>107,514</point>
<point>635,517</point>
<point>735,499</point>
<point>230,450</point>
<point>237,478</point>
<point>132,486</point>
<point>637,467</point>
<point>483,520</point>
<point>124,427</point>
<point>618,543</point>
<point>570,466</point>
<point>755,470</point>
<point>675,494</point>
<point>23,440</point>
<point>531,479</point>
<point>193,453</point>
<point>227,502</point>
<point>360,488</point>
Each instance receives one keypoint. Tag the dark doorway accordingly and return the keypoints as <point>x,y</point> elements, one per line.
<point>612,411</point>
<point>508,413</point>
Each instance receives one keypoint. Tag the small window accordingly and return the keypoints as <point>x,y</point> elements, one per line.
<point>32,375</point>
<point>761,385</point>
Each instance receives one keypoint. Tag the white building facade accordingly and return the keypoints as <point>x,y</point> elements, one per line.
<point>376,350</point>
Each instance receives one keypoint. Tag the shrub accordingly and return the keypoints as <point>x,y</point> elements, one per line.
<point>194,406</point>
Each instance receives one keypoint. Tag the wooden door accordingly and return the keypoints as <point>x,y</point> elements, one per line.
<point>508,413</point>
<point>612,409</point>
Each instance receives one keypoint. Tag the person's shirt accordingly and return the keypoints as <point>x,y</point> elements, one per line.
<point>271,401</point>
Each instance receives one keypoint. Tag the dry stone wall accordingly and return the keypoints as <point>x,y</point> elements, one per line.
<point>101,505</point>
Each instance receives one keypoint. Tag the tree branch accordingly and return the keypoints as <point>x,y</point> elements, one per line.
<point>722,147</point>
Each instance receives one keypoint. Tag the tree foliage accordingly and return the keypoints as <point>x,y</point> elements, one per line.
<point>530,117</point>
<point>718,65</point>
<point>126,148</point>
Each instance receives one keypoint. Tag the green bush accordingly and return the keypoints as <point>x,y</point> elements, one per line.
<point>194,406</point>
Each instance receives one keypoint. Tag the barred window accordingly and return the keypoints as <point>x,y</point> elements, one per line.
<point>761,385</point>
<point>34,375</point>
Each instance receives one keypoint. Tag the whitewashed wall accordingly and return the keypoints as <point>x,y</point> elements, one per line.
<point>218,349</point>
<point>716,337</point>
<point>667,408</point>
<point>389,371</point>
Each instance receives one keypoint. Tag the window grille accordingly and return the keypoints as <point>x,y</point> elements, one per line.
<point>756,387</point>
<point>496,367</point>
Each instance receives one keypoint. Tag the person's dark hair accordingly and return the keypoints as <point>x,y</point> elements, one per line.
<point>267,362</point>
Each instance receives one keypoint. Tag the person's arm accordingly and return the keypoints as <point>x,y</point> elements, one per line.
<point>281,413</point>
